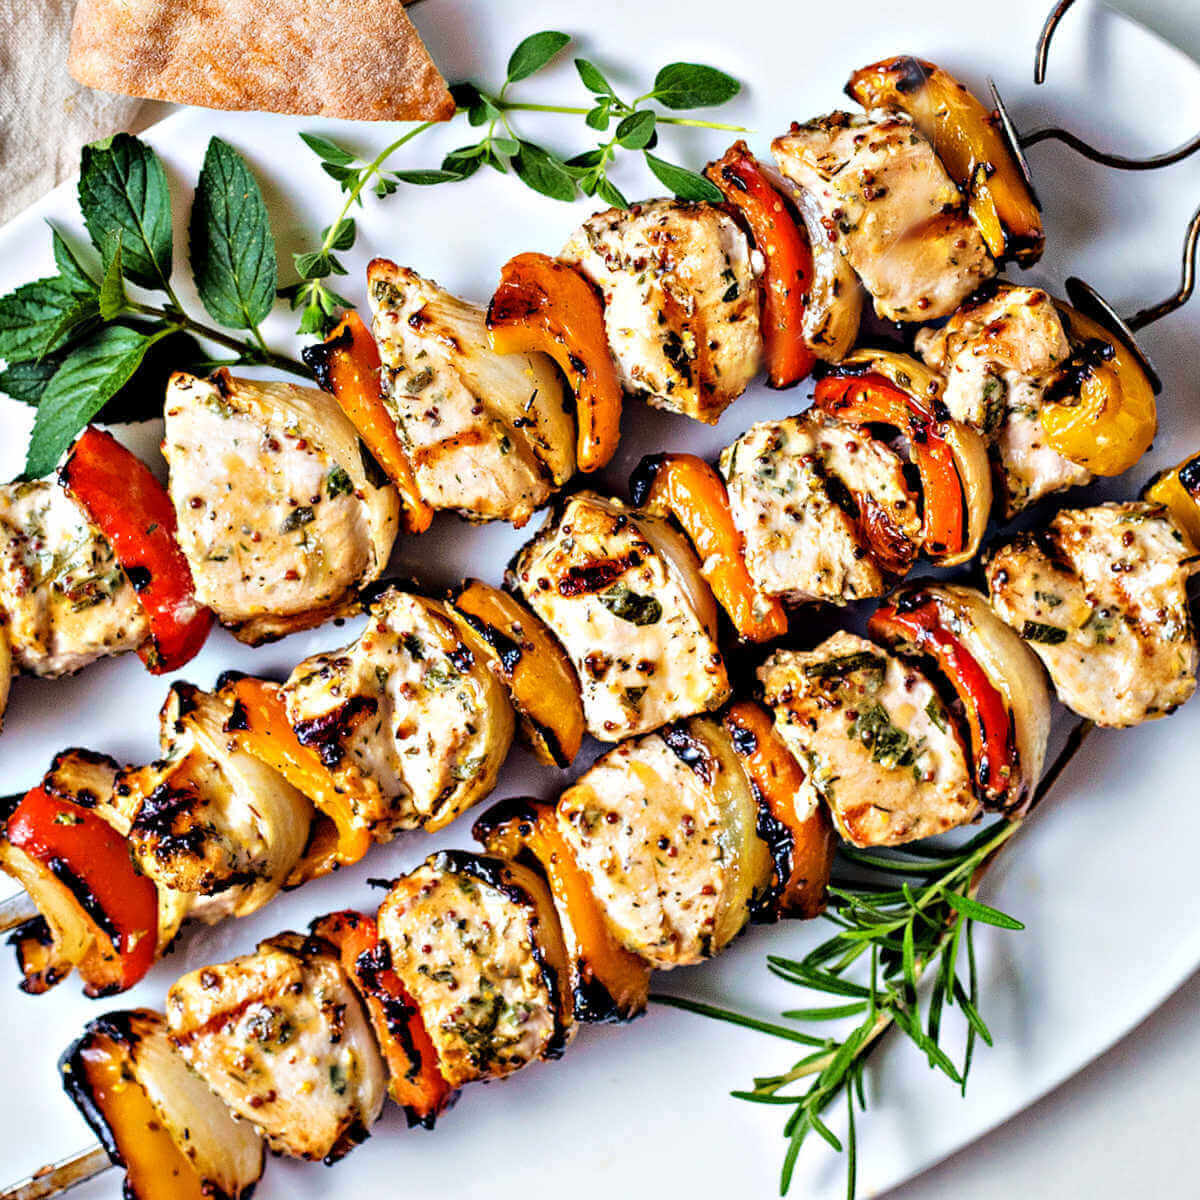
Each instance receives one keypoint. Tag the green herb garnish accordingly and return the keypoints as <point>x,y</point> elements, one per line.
<point>631,606</point>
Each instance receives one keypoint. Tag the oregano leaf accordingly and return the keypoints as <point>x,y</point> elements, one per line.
<point>593,78</point>
<point>540,170</point>
<point>693,85</point>
<point>426,178</point>
<point>534,52</point>
<point>636,130</point>
<point>327,150</point>
<point>685,184</point>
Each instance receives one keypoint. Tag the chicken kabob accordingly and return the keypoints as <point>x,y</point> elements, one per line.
<point>655,858</point>
<point>680,303</point>
<point>478,964</point>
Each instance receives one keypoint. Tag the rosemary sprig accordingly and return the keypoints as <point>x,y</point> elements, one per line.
<point>907,915</point>
<point>502,147</point>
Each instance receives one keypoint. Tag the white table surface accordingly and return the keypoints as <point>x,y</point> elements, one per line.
<point>1126,1125</point>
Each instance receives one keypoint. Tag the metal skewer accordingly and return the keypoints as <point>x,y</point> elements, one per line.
<point>62,1176</point>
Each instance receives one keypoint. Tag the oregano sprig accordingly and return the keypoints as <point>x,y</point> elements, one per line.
<point>80,343</point>
<point>630,126</point>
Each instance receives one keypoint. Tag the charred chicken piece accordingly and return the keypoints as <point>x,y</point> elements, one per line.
<point>874,736</point>
<point>409,719</point>
<point>281,1037</point>
<point>681,302</point>
<point>66,599</point>
<point>488,435</point>
<point>622,591</point>
<point>892,209</point>
<point>477,944</point>
<point>281,514</point>
<point>665,829</point>
<point>1100,595</point>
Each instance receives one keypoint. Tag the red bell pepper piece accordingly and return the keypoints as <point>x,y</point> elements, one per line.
<point>92,860</point>
<point>784,244</point>
<point>873,399</point>
<point>132,509</point>
<point>916,619</point>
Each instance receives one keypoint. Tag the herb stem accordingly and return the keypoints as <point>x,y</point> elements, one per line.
<point>521,106</point>
<point>259,355</point>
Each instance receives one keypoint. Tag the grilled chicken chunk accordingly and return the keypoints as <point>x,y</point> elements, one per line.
<point>412,708</point>
<point>999,355</point>
<point>64,598</point>
<point>874,737</point>
<point>278,514</point>
<point>156,1116</point>
<point>280,1035</point>
<point>664,826</point>
<point>476,943</point>
<point>892,209</point>
<point>1101,596</point>
<point>488,434</point>
<point>622,591</point>
<point>209,820</point>
<point>800,491</point>
<point>680,302</point>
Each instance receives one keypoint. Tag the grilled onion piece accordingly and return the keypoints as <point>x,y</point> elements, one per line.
<point>155,1117</point>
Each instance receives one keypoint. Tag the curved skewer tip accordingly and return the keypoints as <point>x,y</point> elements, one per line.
<point>1044,38</point>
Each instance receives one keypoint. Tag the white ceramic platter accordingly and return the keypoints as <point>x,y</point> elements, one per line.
<point>1103,878</point>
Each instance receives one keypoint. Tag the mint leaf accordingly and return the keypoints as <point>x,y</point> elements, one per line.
<point>70,269</point>
<point>26,381</point>
<point>123,187</point>
<point>89,376</point>
<point>326,150</point>
<point>685,184</point>
<point>39,316</point>
<point>636,131</point>
<point>543,172</point>
<point>692,85</point>
<point>232,249</point>
<point>593,78</point>
<point>534,53</point>
<point>112,298</point>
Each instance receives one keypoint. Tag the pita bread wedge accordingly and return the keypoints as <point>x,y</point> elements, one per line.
<point>360,59</point>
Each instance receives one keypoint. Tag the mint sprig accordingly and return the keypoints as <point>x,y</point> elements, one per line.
<point>502,147</point>
<point>84,343</point>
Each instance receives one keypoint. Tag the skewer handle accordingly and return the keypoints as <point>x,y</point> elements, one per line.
<point>61,1176</point>
<point>14,911</point>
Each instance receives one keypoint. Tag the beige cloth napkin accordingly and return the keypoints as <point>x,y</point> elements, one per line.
<point>45,116</point>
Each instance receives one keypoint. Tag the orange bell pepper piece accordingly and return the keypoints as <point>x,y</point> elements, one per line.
<point>608,982</point>
<point>416,1084</point>
<point>693,493</point>
<point>547,306</point>
<point>788,278</point>
<point>260,726</point>
<point>804,857</point>
<point>347,365</point>
<point>132,509</point>
<point>872,399</point>
<point>88,857</point>
<point>539,676</point>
